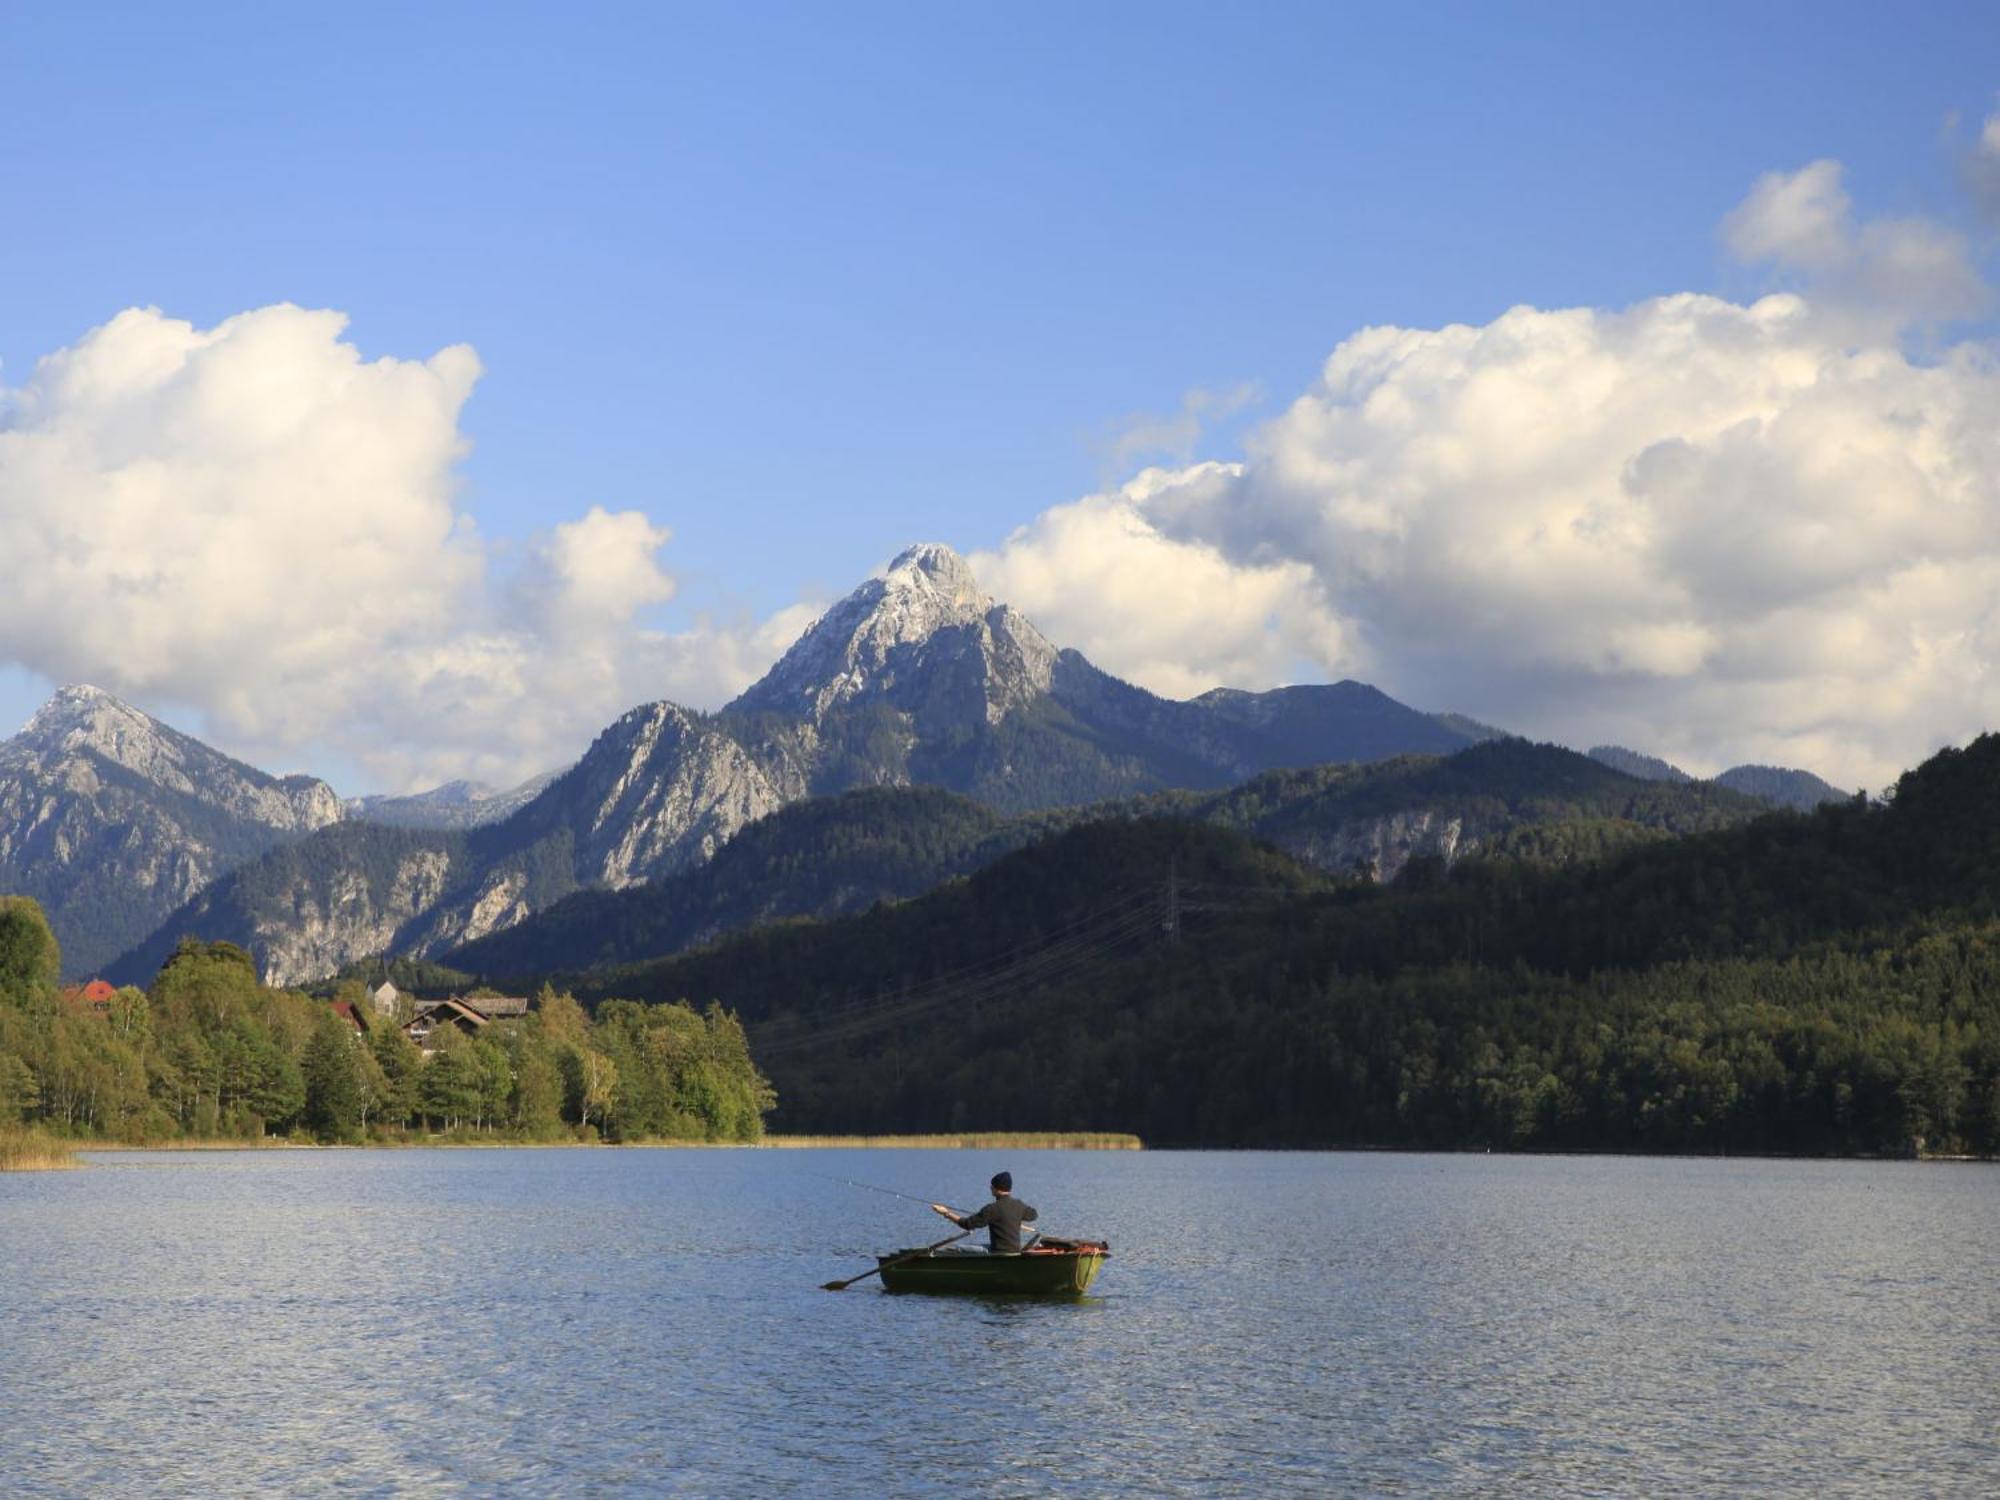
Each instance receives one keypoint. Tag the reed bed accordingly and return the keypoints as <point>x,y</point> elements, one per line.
<point>31,1151</point>
<point>974,1140</point>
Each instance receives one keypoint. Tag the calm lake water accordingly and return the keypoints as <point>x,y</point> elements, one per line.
<point>604,1322</point>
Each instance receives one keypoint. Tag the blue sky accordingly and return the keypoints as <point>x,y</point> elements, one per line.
<point>806,283</point>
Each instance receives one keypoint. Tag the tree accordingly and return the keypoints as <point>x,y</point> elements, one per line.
<point>20,1093</point>
<point>401,1065</point>
<point>536,1104</point>
<point>132,1016</point>
<point>333,1102</point>
<point>560,1018</point>
<point>372,1085</point>
<point>592,1081</point>
<point>29,956</point>
<point>451,1086</point>
<point>495,1078</point>
<point>277,1089</point>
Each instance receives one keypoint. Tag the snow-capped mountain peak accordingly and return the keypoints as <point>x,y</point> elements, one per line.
<point>923,617</point>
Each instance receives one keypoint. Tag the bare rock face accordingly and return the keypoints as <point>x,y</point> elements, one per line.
<point>347,918</point>
<point>1381,847</point>
<point>111,819</point>
<point>661,790</point>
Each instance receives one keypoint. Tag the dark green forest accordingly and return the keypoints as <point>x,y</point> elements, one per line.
<point>834,856</point>
<point>208,1052</point>
<point>1800,983</point>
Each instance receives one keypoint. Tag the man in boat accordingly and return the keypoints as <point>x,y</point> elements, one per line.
<point>1002,1218</point>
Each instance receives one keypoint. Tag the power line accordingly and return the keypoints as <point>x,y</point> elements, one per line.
<point>1039,962</point>
<point>1028,964</point>
<point>1040,968</point>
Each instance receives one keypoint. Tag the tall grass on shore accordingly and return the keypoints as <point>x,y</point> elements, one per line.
<point>31,1151</point>
<point>978,1140</point>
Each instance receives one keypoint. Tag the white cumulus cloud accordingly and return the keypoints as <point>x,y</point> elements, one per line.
<point>1171,612</point>
<point>255,521</point>
<point>1714,530</point>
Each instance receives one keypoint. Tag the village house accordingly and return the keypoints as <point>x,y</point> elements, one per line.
<point>470,1015</point>
<point>92,999</point>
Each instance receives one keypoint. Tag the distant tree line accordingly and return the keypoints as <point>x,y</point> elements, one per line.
<point>209,1052</point>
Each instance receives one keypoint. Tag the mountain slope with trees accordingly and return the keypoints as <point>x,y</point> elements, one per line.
<point>1799,983</point>
<point>110,819</point>
<point>830,856</point>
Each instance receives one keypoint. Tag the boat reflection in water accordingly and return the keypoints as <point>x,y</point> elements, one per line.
<point>1046,1268</point>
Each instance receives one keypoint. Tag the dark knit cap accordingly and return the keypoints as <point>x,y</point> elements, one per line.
<point>1003,1182</point>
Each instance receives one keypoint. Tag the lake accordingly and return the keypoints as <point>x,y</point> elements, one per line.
<point>649,1321</point>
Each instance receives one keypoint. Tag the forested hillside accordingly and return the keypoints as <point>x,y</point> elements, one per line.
<point>827,856</point>
<point>832,856</point>
<point>1800,983</point>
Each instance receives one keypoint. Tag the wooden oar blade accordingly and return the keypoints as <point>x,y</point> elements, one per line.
<point>841,1286</point>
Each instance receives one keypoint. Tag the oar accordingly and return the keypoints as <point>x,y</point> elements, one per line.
<point>841,1286</point>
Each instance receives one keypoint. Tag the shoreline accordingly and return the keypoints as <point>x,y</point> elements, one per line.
<point>953,1141</point>
<point>974,1141</point>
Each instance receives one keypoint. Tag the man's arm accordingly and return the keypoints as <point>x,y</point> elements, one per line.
<point>1027,1214</point>
<point>970,1222</point>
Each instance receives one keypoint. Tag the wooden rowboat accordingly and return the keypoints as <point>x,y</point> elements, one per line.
<point>1048,1268</point>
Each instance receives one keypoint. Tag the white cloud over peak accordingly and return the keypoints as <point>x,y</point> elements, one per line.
<point>255,521</point>
<point>1171,612</point>
<point>1712,530</point>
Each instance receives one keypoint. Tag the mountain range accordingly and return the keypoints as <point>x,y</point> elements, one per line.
<point>456,804</point>
<point>111,820</point>
<point>134,835</point>
<point>834,856</point>
<point>1776,785</point>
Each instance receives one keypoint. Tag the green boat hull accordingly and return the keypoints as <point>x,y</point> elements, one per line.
<point>1055,1272</point>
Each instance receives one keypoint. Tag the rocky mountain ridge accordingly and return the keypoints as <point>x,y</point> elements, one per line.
<point>916,678</point>
<point>111,819</point>
<point>456,804</point>
<point>660,789</point>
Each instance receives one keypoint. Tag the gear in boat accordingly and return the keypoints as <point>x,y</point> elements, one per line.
<point>1047,1267</point>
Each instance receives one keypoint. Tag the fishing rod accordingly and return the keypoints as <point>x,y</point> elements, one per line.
<point>870,1187</point>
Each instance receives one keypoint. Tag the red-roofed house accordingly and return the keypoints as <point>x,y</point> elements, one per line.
<point>93,999</point>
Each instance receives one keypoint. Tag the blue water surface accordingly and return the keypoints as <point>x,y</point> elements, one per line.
<point>650,1322</point>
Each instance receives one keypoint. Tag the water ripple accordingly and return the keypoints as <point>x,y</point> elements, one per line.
<point>648,1322</point>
